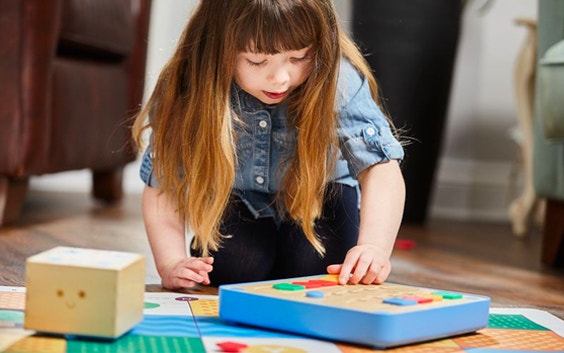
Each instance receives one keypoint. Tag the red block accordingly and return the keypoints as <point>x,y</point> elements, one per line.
<point>231,347</point>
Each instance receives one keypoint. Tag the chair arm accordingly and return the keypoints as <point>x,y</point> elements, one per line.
<point>550,88</point>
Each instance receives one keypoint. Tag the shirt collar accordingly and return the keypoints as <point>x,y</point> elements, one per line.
<point>245,102</point>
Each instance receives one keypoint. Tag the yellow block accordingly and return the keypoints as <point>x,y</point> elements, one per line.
<point>84,292</point>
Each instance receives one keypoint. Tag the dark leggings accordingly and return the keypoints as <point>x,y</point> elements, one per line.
<point>259,249</point>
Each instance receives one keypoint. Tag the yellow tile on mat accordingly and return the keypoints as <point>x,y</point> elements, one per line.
<point>39,344</point>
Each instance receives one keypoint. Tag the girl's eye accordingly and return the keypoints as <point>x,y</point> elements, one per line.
<point>301,59</point>
<point>254,63</point>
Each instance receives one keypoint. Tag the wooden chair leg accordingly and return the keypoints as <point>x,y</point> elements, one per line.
<point>523,207</point>
<point>553,239</point>
<point>12,197</point>
<point>107,185</point>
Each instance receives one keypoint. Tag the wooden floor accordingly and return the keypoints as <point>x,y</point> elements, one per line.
<point>477,258</point>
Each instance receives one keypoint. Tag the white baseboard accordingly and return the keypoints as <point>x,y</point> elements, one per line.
<point>81,181</point>
<point>472,190</point>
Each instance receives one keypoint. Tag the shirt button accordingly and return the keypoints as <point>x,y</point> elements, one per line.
<point>259,180</point>
<point>370,131</point>
<point>263,124</point>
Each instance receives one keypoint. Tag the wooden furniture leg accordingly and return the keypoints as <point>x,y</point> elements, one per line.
<point>107,185</point>
<point>522,208</point>
<point>12,197</point>
<point>553,239</point>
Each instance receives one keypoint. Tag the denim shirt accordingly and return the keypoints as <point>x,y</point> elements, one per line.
<point>265,141</point>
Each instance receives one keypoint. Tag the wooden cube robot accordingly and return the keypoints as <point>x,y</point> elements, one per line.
<point>84,292</point>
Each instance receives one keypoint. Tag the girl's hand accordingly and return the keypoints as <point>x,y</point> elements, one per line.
<point>187,272</point>
<point>365,264</point>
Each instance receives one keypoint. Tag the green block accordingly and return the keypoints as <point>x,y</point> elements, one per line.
<point>448,295</point>
<point>288,286</point>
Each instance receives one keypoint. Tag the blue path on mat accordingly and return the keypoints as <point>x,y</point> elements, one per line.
<point>184,326</point>
<point>160,325</point>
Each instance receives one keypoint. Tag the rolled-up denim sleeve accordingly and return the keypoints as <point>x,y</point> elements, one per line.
<point>365,135</point>
<point>146,171</point>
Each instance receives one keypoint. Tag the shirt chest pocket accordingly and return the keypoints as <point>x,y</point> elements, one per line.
<point>244,137</point>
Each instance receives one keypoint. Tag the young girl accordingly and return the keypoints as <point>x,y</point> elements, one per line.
<point>265,128</point>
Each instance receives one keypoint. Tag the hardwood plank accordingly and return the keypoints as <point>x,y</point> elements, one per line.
<point>482,259</point>
<point>460,256</point>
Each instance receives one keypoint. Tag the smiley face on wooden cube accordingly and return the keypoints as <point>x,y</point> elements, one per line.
<point>84,292</point>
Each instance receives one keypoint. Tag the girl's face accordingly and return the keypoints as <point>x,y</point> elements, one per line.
<point>271,78</point>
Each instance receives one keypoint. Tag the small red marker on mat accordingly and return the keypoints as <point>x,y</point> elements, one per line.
<point>404,244</point>
<point>231,347</point>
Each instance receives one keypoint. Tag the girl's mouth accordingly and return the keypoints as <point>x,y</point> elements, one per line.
<point>275,95</point>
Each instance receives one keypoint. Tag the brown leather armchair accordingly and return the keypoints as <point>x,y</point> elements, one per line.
<point>72,74</point>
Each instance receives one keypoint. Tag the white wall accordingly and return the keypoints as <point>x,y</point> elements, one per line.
<point>478,154</point>
<point>474,175</point>
<point>167,21</point>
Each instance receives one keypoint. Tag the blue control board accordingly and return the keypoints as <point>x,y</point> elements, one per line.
<point>380,316</point>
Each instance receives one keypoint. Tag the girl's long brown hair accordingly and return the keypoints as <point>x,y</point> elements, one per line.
<point>191,115</point>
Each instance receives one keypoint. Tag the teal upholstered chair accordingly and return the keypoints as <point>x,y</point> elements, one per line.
<point>549,127</point>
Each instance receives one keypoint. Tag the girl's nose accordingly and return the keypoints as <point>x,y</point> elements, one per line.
<point>280,75</point>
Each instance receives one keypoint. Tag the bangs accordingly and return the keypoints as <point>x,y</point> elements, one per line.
<point>271,27</point>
